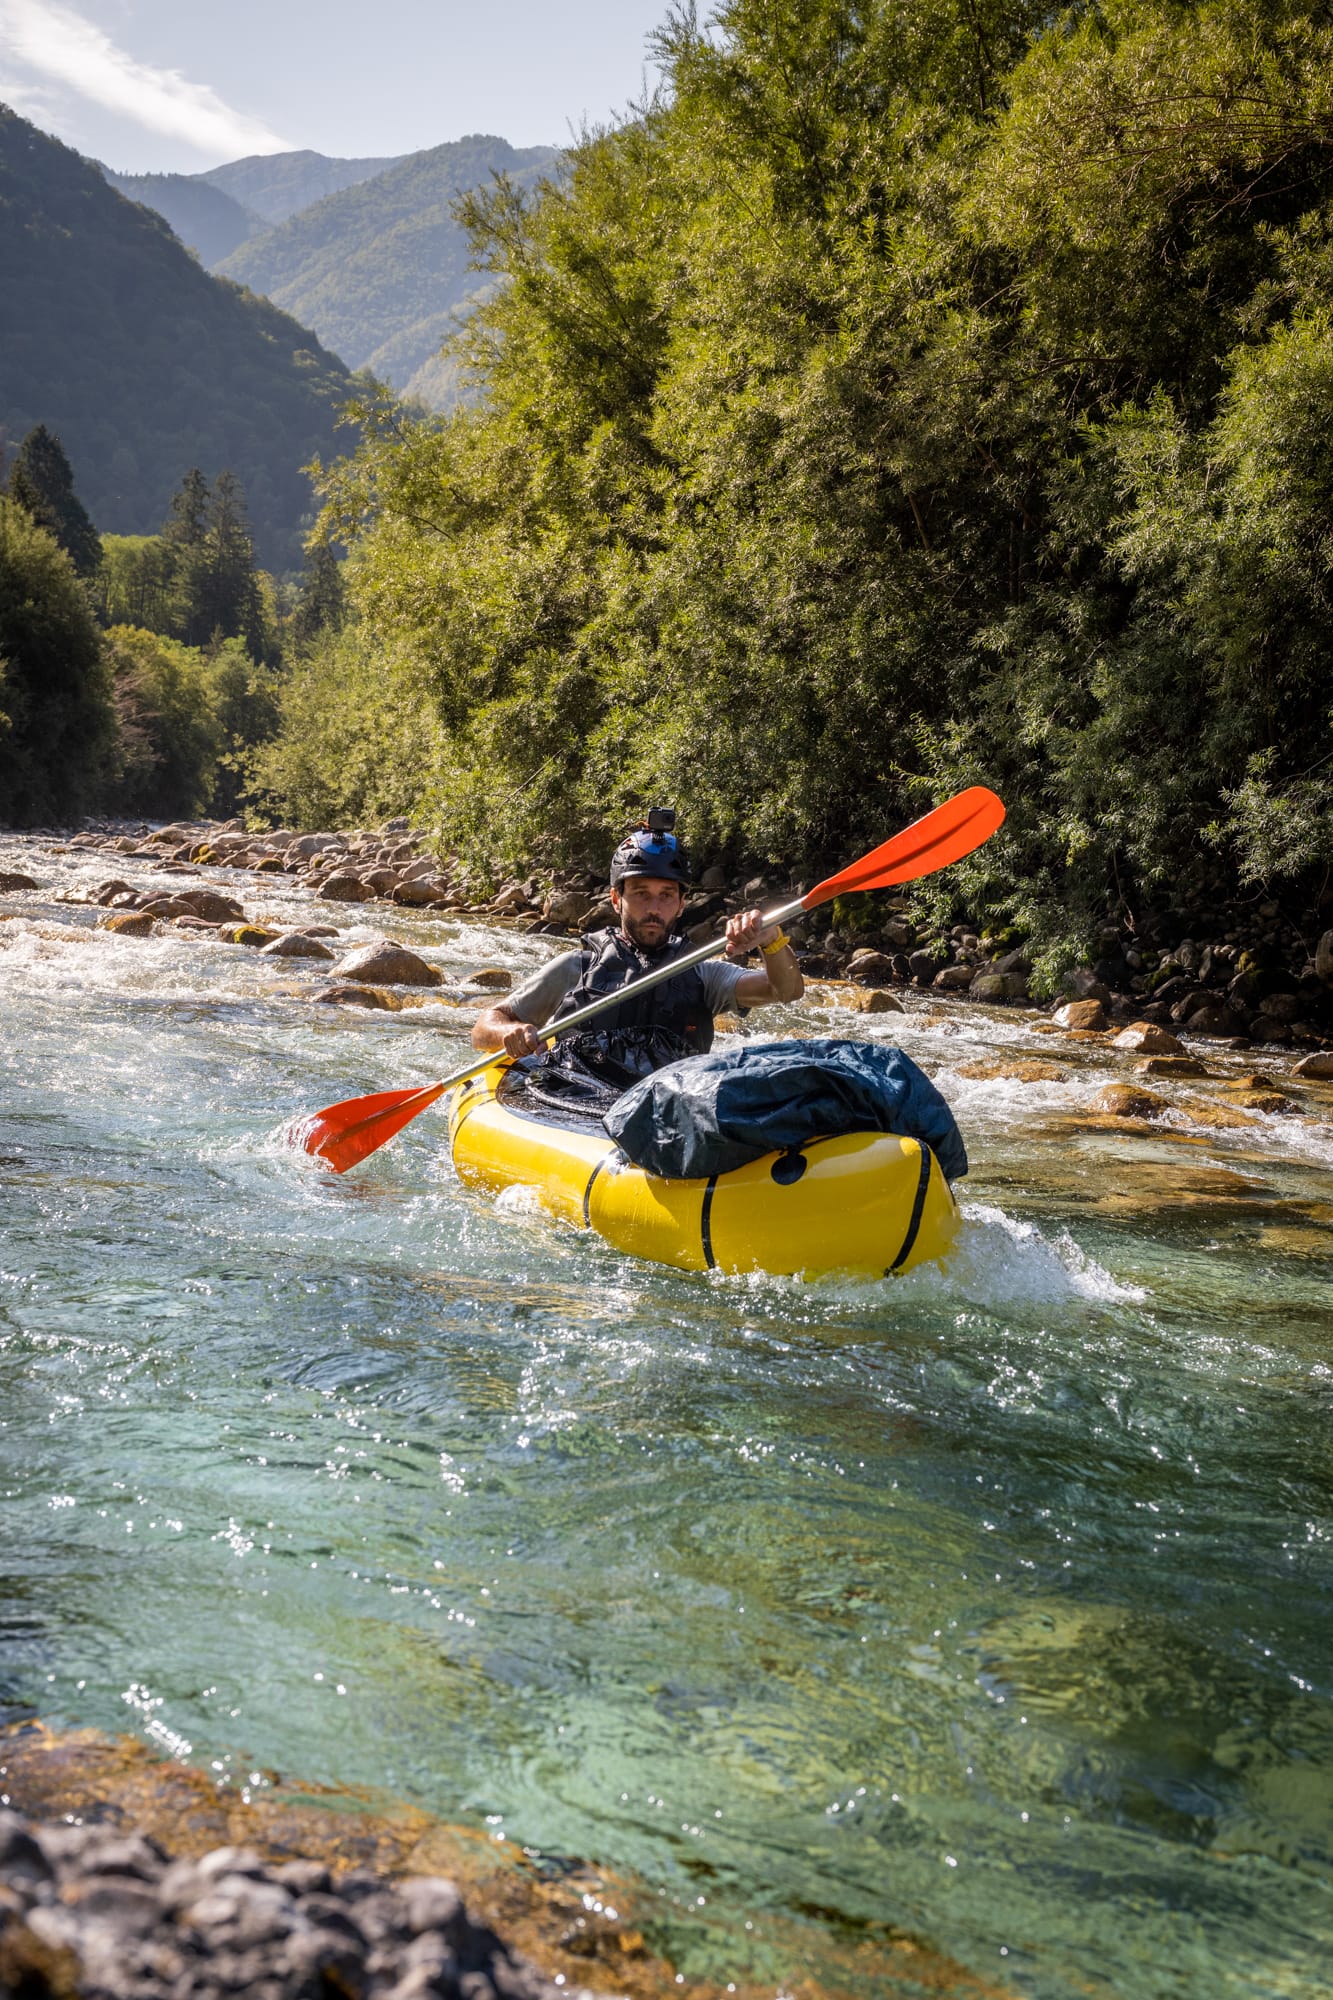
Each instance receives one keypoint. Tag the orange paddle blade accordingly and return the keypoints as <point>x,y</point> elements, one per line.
<point>343,1134</point>
<point>941,837</point>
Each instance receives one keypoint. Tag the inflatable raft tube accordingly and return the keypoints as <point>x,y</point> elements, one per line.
<point>868,1202</point>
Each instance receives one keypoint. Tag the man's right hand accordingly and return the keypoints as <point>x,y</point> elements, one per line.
<point>522,1040</point>
<point>496,1028</point>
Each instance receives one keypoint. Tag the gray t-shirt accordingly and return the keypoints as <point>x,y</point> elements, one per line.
<point>542,991</point>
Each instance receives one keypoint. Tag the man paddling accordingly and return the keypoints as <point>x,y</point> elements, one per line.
<point>649,877</point>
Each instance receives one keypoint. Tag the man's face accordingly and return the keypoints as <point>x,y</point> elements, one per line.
<point>647,906</point>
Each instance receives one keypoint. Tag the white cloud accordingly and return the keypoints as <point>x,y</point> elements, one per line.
<point>60,45</point>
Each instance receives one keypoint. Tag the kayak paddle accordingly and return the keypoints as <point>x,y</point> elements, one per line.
<point>344,1134</point>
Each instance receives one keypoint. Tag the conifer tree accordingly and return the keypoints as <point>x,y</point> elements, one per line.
<point>42,482</point>
<point>323,602</point>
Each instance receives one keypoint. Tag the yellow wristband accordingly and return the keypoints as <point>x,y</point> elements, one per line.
<point>779,943</point>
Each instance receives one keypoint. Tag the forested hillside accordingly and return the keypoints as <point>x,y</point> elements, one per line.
<point>276,185</point>
<point>914,394</point>
<point>115,337</point>
<point>207,221</point>
<point>378,268</point>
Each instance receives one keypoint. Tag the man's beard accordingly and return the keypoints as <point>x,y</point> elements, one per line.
<point>648,933</point>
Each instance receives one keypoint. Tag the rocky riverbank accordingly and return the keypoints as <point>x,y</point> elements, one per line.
<point>1245,980</point>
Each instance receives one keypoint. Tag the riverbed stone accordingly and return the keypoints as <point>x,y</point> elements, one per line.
<point>1317,1067</point>
<point>210,903</point>
<point>1148,1039</point>
<point>568,907</point>
<point>994,987</point>
<point>352,995</point>
<point>345,888</point>
<point>1212,1112</point>
<point>1181,1065</point>
<point>254,935</point>
<point>952,978</point>
<point>1216,1020</point>
<point>872,1000</point>
<point>1088,1015</point>
<point>1323,958</point>
<point>13,878</point>
<point>869,968</point>
<point>128,923</point>
<point>387,964</point>
<point>1129,1100</point>
<point>491,978</point>
<point>295,944</point>
<point>419,892</point>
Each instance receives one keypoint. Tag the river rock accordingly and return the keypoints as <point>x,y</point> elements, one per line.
<point>869,968</point>
<point>107,892</point>
<point>1129,1100</point>
<point>1148,1039</point>
<point>1181,1065</point>
<point>418,892</point>
<point>952,978</point>
<point>1318,1067</point>
<point>1012,1069</point>
<point>167,907</point>
<point>1087,1015</point>
<point>11,879</point>
<point>1216,1020</point>
<point>382,880</point>
<point>491,978</point>
<point>359,996</point>
<point>1209,1111</point>
<point>1269,1100</point>
<point>295,944</point>
<point>1083,984</point>
<point>128,923</point>
<point>568,907</point>
<point>872,1000</point>
<point>254,935</point>
<point>387,964</point>
<point>210,903</point>
<point>1323,958</point>
<point>344,888</point>
<point>992,987</point>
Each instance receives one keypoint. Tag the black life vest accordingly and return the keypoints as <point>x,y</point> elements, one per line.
<point>678,1008</point>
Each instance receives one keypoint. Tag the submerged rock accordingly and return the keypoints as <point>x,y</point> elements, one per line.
<point>491,978</point>
<point>128,923</point>
<point>1012,1069</point>
<point>1128,1100</point>
<point>11,879</point>
<point>358,996</point>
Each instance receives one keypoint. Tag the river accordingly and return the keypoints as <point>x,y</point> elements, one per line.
<point>993,1603</point>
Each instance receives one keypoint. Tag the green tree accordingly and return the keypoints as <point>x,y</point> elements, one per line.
<point>322,605</point>
<point>57,751</point>
<point>170,730</point>
<point>42,481</point>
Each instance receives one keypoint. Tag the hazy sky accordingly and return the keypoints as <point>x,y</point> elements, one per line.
<point>176,86</point>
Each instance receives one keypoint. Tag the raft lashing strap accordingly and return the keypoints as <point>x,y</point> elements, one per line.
<point>705,1225</point>
<point>918,1209</point>
<point>587,1192</point>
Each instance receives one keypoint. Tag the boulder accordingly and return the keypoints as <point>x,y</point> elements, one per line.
<point>1129,1100</point>
<point>106,892</point>
<point>952,979</point>
<point>1215,1019</point>
<point>255,935</point>
<point>1281,1007</point>
<point>996,986</point>
<point>307,844</point>
<point>923,965</point>
<point>873,1000</point>
<point>382,880</point>
<point>898,934</point>
<point>218,909</point>
<point>1318,1067</point>
<point>295,944</point>
<point>167,907</point>
<point>418,891</point>
<point>870,968</point>
<point>1087,1015</point>
<point>128,923</point>
<point>1323,958</point>
<point>568,907</point>
<point>491,978</point>
<point>1208,1111</point>
<point>1083,984</point>
<point>343,888</point>
<point>387,964</point>
<point>268,864</point>
<point>1172,1066</point>
<point>358,996</point>
<point>12,879</point>
<point>1146,1038</point>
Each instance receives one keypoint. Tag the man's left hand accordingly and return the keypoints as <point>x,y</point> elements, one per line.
<point>747,931</point>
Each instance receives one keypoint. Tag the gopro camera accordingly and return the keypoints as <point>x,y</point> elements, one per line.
<point>661,819</point>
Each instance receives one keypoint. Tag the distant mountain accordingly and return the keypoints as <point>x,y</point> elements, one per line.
<point>378,268</point>
<point>276,185</point>
<point>119,341</point>
<point>208,221</point>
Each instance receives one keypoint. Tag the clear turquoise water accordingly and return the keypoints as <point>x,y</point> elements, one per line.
<point>994,1603</point>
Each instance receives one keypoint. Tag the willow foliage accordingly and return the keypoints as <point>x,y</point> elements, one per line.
<point>905,395</point>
